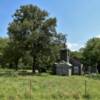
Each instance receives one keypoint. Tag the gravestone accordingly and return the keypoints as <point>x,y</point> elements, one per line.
<point>94,69</point>
<point>77,67</point>
<point>91,69</point>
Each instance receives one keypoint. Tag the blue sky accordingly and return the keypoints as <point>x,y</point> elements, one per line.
<point>80,19</point>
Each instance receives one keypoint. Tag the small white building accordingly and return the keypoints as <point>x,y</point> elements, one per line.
<point>63,68</point>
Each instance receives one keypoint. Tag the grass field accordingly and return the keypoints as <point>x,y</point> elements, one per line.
<point>48,87</point>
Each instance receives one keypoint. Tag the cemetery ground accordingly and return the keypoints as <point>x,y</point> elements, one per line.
<point>19,86</point>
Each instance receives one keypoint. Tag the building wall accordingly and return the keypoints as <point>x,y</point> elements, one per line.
<point>63,69</point>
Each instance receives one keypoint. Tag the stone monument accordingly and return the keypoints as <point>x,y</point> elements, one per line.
<point>63,67</point>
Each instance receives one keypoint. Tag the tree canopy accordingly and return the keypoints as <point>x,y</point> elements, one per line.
<point>32,33</point>
<point>92,52</point>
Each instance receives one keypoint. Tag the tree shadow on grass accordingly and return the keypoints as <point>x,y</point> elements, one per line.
<point>87,97</point>
<point>13,73</point>
<point>94,76</point>
<point>25,73</point>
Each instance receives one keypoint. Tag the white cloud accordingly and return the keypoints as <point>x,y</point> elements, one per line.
<point>74,46</point>
<point>77,46</point>
<point>98,36</point>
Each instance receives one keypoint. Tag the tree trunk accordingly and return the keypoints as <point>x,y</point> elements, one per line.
<point>16,64</point>
<point>39,69</point>
<point>98,67</point>
<point>10,65</point>
<point>34,65</point>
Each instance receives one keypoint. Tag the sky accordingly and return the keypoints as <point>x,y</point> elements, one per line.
<point>80,19</point>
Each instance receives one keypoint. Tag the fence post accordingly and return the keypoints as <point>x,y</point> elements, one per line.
<point>30,87</point>
<point>85,88</point>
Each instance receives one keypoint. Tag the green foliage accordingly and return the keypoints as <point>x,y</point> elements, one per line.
<point>11,54</point>
<point>3,45</point>
<point>92,52</point>
<point>77,55</point>
<point>32,35</point>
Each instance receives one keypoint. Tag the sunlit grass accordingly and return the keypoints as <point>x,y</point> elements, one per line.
<point>48,87</point>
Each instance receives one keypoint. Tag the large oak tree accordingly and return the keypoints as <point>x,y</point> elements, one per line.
<point>32,30</point>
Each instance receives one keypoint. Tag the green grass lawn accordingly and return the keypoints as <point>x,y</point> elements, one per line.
<point>48,87</point>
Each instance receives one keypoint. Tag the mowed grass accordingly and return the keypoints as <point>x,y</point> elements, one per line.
<point>48,87</point>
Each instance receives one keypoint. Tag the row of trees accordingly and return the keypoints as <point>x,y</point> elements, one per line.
<point>90,54</point>
<point>32,40</point>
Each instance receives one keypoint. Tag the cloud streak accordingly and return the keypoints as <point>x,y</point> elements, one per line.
<point>74,46</point>
<point>98,36</point>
